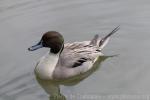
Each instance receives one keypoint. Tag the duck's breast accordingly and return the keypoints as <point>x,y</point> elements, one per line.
<point>46,66</point>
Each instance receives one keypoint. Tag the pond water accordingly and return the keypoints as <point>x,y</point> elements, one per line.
<point>125,77</point>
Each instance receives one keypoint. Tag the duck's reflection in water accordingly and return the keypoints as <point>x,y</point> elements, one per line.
<point>52,87</point>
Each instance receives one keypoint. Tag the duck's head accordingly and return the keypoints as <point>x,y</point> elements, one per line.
<point>52,40</point>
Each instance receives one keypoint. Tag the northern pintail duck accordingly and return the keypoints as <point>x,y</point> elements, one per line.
<point>67,63</point>
<point>64,61</point>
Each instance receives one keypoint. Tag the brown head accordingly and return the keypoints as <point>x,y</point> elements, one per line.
<point>52,40</point>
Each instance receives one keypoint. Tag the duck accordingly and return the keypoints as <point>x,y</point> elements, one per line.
<point>66,60</point>
<point>67,63</point>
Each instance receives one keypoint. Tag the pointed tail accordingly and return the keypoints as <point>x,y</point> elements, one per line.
<point>105,40</point>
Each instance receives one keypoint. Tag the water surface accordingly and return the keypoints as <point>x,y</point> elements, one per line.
<point>22,22</point>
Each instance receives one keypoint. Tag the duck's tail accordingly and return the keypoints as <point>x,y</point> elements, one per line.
<point>103,41</point>
<point>94,41</point>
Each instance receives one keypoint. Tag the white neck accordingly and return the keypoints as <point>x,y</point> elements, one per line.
<point>46,66</point>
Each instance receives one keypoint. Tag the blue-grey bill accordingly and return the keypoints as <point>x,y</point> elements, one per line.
<point>35,47</point>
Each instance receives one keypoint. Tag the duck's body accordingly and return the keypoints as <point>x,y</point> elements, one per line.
<point>70,59</point>
<point>76,58</point>
<point>67,60</point>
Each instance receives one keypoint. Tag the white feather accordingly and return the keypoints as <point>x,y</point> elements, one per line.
<point>46,66</point>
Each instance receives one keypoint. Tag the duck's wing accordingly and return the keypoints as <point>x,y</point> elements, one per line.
<point>76,45</point>
<point>76,57</point>
<point>75,62</point>
<point>83,44</point>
